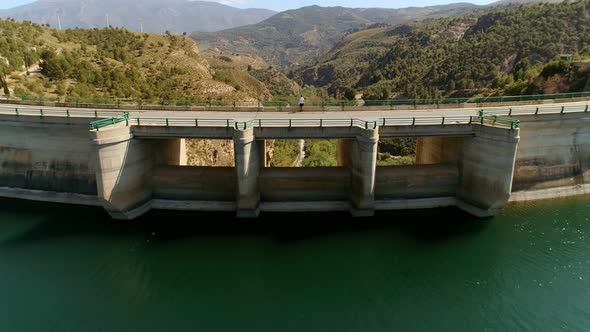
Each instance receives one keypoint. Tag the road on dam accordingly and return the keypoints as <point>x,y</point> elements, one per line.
<point>254,115</point>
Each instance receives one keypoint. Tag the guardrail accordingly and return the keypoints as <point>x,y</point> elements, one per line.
<point>477,100</point>
<point>183,122</point>
<point>118,102</point>
<point>524,110</point>
<point>497,118</point>
<point>96,125</point>
<point>48,112</point>
<point>488,119</point>
<point>494,119</point>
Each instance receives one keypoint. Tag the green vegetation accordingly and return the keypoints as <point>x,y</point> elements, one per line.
<point>397,151</point>
<point>320,153</point>
<point>285,153</point>
<point>496,51</point>
<point>388,160</point>
<point>398,146</point>
<point>114,62</point>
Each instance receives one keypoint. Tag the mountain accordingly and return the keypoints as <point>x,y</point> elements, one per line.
<point>505,49</point>
<point>156,16</point>
<point>296,36</point>
<point>523,2</point>
<point>115,62</point>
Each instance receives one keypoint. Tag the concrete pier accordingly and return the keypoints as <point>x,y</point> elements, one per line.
<point>248,163</point>
<point>363,164</point>
<point>123,172</point>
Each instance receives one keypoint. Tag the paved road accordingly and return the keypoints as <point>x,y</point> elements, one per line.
<point>241,116</point>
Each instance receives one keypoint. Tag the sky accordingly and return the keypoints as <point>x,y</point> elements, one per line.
<point>280,5</point>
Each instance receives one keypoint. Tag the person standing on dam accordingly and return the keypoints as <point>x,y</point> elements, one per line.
<point>301,103</point>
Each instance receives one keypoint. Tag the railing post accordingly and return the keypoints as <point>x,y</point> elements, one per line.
<point>16,110</point>
<point>562,109</point>
<point>510,112</point>
<point>41,111</point>
<point>196,122</point>
<point>166,122</point>
<point>321,123</point>
<point>537,111</point>
<point>383,122</point>
<point>413,121</point>
<point>289,123</point>
<point>138,122</point>
<point>227,123</point>
<point>470,119</point>
<point>586,110</point>
<point>95,114</point>
<point>259,123</point>
<point>443,120</point>
<point>351,122</point>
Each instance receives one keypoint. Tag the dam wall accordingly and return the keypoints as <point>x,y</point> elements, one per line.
<point>46,155</point>
<point>553,158</point>
<point>130,169</point>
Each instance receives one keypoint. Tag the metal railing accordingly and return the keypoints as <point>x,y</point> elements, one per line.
<point>183,122</point>
<point>97,124</point>
<point>56,112</point>
<point>495,119</point>
<point>499,117</point>
<point>121,102</point>
<point>483,118</point>
<point>477,100</point>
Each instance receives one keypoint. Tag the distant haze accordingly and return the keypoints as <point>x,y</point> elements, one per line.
<point>156,16</point>
<point>291,4</point>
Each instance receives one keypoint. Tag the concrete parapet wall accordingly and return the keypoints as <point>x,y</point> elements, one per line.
<point>155,132</point>
<point>437,130</point>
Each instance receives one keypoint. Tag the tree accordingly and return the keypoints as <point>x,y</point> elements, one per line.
<point>349,93</point>
<point>60,89</point>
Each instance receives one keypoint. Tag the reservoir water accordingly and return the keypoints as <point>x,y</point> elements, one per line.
<point>65,268</point>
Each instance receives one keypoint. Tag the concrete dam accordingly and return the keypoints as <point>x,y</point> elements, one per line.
<point>131,164</point>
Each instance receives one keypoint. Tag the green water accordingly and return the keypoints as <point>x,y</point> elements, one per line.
<point>72,269</point>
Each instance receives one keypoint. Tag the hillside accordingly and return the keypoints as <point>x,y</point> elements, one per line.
<point>157,16</point>
<point>493,51</point>
<point>296,36</point>
<point>118,63</point>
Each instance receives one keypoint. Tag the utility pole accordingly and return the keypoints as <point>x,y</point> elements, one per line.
<point>141,25</point>
<point>107,16</point>
<point>58,22</point>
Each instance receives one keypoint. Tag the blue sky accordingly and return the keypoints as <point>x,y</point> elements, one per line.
<point>279,5</point>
